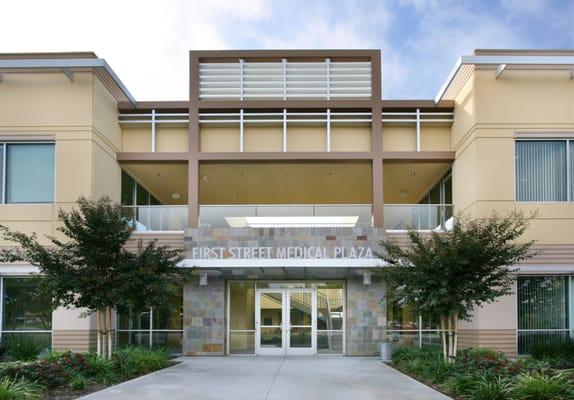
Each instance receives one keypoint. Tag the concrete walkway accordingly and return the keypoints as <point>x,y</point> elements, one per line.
<point>272,378</point>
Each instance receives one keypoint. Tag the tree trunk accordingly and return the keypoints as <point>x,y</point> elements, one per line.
<point>449,329</point>
<point>455,332</point>
<point>109,332</point>
<point>98,334</point>
<point>443,334</point>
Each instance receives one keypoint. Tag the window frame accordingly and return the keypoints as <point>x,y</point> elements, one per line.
<point>569,176</point>
<point>21,331</point>
<point>4,178</point>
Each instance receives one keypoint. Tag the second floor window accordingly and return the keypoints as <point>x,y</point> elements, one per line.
<point>544,170</point>
<point>27,172</point>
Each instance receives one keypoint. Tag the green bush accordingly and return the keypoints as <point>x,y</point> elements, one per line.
<point>538,386</point>
<point>134,361</point>
<point>78,382</point>
<point>22,347</point>
<point>12,389</point>
<point>408,353</point>
<point>485,388</point>
<point>100,369</point>
<point>481,359</point>
<point>462,384</point>
<point>438,370</point>
<point>44,372</point>
<point>558,352</point>
<point>416,367</point>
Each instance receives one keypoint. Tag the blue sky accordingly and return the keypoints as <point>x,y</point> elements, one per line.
<point>146,42</point>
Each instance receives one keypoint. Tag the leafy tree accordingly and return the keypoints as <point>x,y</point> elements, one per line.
<point>448,274</point>
<point>92,268</point>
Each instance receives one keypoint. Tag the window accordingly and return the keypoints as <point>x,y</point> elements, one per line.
<point>158,327</point>
<point>406,328</point>
<point>24,313</point>
<point>543,170</point>
<point>543,309</point>
<point>27,171</point>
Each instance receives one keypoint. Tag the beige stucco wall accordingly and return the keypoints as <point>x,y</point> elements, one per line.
<point>80,117</point>
<point>172,139</point>
<point>219,138</point>
<point>350,138</point>
<point>399,138</point>
<point>263,138</point>
<point>489,113</point>
<point>306,138</point>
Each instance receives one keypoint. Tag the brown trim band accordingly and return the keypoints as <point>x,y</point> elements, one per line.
<point>151,157</point>
<point>418,156</point>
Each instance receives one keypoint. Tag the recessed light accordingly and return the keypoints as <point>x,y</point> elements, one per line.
<point>176,196</point>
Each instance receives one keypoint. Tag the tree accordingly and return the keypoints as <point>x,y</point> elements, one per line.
<point>448,274</point>
<point>92,269</point>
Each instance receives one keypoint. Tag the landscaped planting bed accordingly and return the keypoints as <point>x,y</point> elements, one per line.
<point>483,374</point>
<point>67,375</point>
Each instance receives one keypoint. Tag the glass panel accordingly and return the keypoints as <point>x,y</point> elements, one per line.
<point>434,194</point>
<point>43,339</point>
<point>431,339</point>
<point>403,338</point>
<point>242,342</point>
<point>142,196</point>
<point>134,321</point>
<point>1,171</point>
<point>542,307</point>
<point>401,316</point>
<point>330,342</point>
<point>128,187</point>
<point>329,309</point>
<point>541,170</point>
<point>543,303</point>
<point>271,309</point>
<point>170,317</point>
<point>300,337</point>
<point>271,337</point>
<point>171,341</point>
<point>300,308</point>
<point>30,173</point>
<point>416,216</point>
<point>140,339</point>
<point>23,309</point>
<point>242,305</point>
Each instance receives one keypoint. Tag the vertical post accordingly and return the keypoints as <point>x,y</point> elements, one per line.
<point>150,327</point>
<point>4,173</point>
<point>377,139</point>
<point>193,144</point>
<point>568,172</point>
<point>241,131</point>
<point>241,79</point>
<point>418,122</point>
<point>328,129</point>
<point>284,62</point>
<point>284,129</point>
<point>1,308</point>
<point>328,77</point>
<point>420,331</point>
<point>153,131</point>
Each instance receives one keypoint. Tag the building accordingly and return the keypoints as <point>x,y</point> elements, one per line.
<point>279,177</point>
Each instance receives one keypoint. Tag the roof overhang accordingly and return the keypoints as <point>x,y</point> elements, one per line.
<point>504,62</point>
<point>232,263</point>
<point>68,66</point>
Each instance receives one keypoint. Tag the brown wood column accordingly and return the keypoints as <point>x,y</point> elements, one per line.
<point>193,145</point>
<point>377,139</point>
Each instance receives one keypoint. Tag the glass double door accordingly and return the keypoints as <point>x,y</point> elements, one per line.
<point>286,321</point>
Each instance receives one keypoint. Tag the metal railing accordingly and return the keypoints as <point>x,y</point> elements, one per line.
<point>157,218</point>
<point>432,217</point>
<point>285,216</point>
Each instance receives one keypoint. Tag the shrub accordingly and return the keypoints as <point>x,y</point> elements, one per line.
<point>438,370</point>
<point>416,367</point>
<point>480,359</point>
<point>12,389</point>
<point>44,372</point>
<point>78,382</point>
<point>462,384</point>
<point>403,354</point>
<point>100,369</point>
<point>558,352</point>
<point>489,389</point>
<point>538,386</point>
<point>22,347</point>
<point>134,361</point>
<point>75,362</point>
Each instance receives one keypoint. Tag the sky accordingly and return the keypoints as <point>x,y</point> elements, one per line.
<point>147,42</point>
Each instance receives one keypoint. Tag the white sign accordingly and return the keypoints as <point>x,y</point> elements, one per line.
<point>288,252</point>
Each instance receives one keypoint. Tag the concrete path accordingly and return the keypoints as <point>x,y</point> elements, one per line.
<point>272,378</point>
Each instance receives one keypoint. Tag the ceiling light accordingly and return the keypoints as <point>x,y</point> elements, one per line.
<point>403,194</point>
<point>291,222</point>
<point>176,196</point>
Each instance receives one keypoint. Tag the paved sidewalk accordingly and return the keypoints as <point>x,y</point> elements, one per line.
<point>272,378</point>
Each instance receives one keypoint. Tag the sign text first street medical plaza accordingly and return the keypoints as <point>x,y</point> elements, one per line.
<point>288,252</point>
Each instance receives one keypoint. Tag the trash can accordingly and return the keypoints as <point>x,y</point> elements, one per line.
<point>386,352</point>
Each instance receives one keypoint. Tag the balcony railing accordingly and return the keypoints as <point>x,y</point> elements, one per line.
<point>157,218</point>
<point>432,217</point>
<point>285,216</point>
